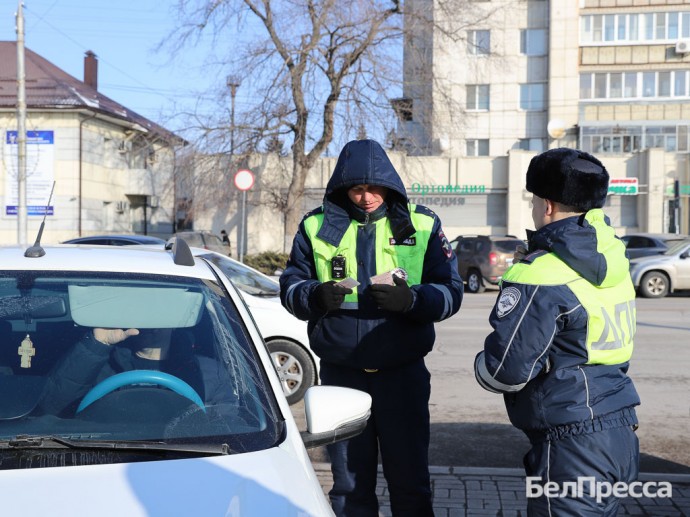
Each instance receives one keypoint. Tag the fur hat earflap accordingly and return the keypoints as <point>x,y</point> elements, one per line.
<point>570,177</point>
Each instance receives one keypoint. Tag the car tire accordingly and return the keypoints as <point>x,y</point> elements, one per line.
<point>475,284</point>
<point>295,368</point>
<point>654,284</point>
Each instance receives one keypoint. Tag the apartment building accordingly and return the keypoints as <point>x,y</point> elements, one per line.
<point>611,77</point>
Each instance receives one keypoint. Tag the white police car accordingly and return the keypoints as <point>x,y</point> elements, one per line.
<point>134,382</point>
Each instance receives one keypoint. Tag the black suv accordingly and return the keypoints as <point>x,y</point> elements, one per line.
<point>484,258</point>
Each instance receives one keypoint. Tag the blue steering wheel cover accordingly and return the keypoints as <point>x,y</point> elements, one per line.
<point>140,377</point>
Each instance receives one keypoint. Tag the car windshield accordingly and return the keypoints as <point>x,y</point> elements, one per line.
<point>72,366</point>
<point>245,278</point>
<point>676,246</point>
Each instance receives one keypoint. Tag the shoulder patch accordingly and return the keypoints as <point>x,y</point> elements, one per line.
<point>510,296</point>
<point>445,245</point>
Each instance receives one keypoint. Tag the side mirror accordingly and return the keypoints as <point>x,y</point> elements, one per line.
<point>334,414</point>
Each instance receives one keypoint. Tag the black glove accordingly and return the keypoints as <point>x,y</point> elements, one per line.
<point>394,298</point>
<point>329,295</point>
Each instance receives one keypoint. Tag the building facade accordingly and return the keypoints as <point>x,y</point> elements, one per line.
<point>110,170</point>
<point>611,77</point>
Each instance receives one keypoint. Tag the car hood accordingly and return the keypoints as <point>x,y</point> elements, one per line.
<point>652,259</point>
<point>271,482</point>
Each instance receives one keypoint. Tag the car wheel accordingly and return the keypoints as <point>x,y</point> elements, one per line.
<point>475,284</point>
<point>654,285</point>
<point>295,368</point>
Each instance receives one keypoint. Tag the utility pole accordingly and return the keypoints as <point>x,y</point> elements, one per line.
<point>233,84</point>
<point>21,131</point>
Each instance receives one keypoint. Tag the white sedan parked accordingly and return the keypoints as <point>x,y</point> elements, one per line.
<point>135,382</point>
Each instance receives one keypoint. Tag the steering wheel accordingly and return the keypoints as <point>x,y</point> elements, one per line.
<point>141,377</point>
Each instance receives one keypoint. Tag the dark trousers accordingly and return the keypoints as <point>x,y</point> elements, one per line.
<point>607,456</point>
<point>399,428</point>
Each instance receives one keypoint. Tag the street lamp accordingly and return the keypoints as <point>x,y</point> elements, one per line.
<point>233,84</point>
<point>244,180</point>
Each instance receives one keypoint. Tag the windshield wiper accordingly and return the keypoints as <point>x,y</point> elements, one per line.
<point>51,441</point>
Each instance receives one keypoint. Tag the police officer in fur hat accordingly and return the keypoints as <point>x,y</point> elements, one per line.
<point>563,328</point>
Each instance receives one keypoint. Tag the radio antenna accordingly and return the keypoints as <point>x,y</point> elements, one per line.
<point>36,250</point>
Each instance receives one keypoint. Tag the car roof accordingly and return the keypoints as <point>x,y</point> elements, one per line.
<point>148,239</point>
<point>91,258</point>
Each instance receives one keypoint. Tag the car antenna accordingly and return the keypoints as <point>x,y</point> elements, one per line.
<point>36,250</point>
<point>182,255</point>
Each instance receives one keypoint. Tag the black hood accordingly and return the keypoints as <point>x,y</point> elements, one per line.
<point>363,162</point>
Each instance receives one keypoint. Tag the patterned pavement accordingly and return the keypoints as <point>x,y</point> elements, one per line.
<point>465,491</point>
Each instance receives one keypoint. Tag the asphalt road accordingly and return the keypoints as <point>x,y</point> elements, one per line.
<point>469,426</point>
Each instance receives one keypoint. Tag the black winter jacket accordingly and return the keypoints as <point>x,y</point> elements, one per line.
<point>368,337</point>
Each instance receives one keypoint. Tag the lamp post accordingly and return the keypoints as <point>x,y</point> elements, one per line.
<point>244,180</point>
<point>233,84</point>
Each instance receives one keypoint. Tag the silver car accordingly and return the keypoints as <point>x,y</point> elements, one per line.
<point>656,276</point>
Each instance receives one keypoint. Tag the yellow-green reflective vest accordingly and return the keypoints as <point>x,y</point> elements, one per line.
<point>409,255</point>
<point>611,313</point>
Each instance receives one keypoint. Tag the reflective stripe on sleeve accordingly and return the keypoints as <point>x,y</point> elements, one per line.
<point>289,295</point>
<point>487,381</point>
<point>447,300</point>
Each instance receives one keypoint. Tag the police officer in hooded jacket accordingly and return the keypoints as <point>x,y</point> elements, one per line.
<point>564,324</point>
<point>374,336</point>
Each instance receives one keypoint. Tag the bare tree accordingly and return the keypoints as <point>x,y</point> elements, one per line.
<point>313,66</point>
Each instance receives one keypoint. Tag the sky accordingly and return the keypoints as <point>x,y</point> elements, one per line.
<point>133,69</point>
<point>124,35</point>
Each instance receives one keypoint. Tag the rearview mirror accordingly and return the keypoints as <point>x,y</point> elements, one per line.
<point>17,307</point>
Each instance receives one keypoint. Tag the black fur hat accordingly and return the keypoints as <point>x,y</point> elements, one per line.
<point>568,176</point>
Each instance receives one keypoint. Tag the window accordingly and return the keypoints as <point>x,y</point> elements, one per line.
<point>585,86</point>
<point>532,96</point>
<point>599,86</point>
<point>680,83</point>
<point>532,144</point>
<point>616,85</point>
<point>479,42</point>
<point>626,139</point>
<point>672,25</point>
<point>648,84</point>
<point>609,27</point>
<point>533,42</point>
<point>478,147</point>
<point>630,85</point>
<point>635,27</point>
<point>621,20</point>
<point>478,97</point>
<point>664,84</point>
